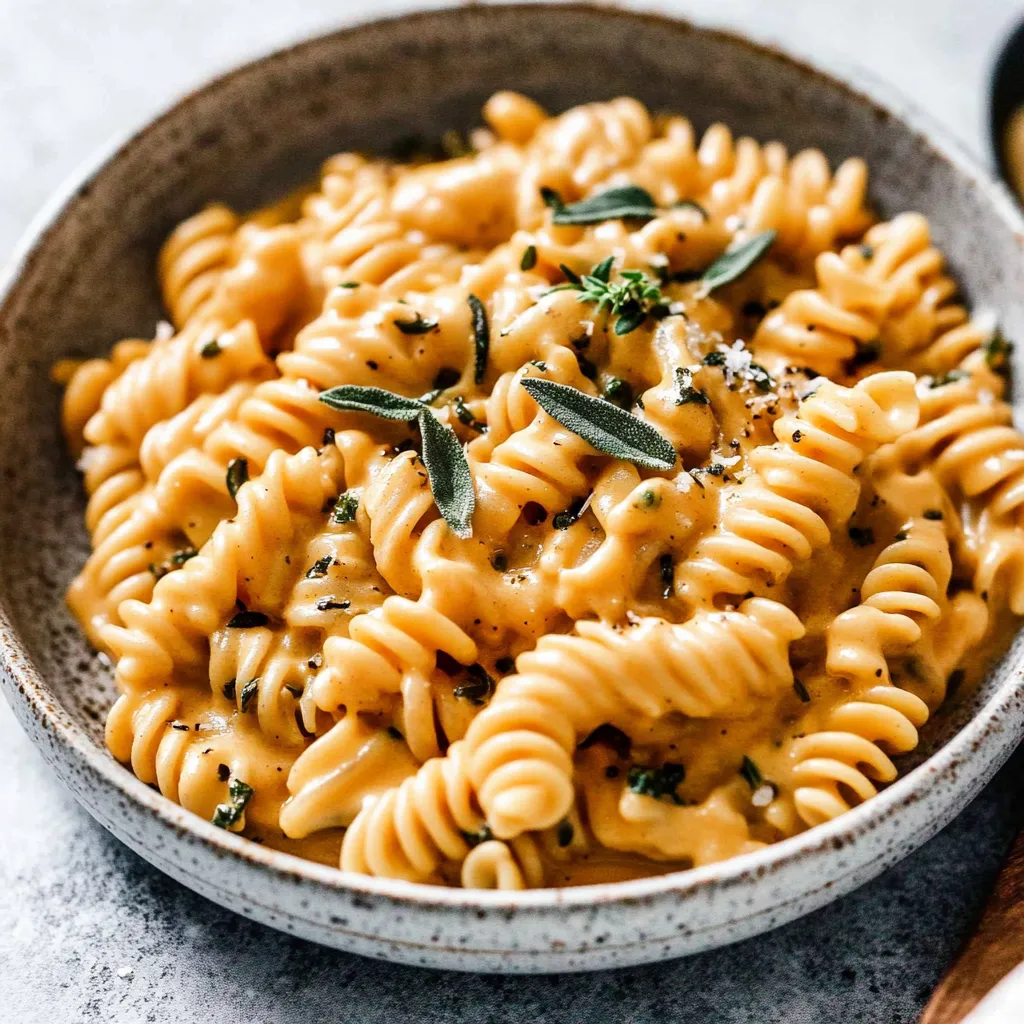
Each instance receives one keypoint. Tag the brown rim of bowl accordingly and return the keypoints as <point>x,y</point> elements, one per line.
<point>929,776</point>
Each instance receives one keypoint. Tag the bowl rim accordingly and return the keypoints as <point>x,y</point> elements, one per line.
<point>16,664</point>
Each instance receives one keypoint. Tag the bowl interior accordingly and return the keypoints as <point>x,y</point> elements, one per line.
<point>88,278</point>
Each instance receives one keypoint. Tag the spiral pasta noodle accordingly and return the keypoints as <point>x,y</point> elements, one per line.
<point>579,498</point>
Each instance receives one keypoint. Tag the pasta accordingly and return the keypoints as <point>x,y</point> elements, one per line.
<point>601,501</point>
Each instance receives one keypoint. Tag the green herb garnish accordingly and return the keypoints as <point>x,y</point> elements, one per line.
<point>563,520</point>
<point>631,300</point>
<point>932,513</point>
<point>997,351</point>
<point>228,689</point>
<point>801,691</point>
<point>420,325</point>
<point>948,378</point>
<point>345,507</point>
<point>319,568</point>
<point>249,690</point>
<point>608,428</point>
<point>619,392</point>
<point>751,773</point>
<point>465,416</point>
<point>237,474</point>
<point>329,604</point>
<point>657,782</point>
<point>481,835</point>
<point>481,338</point>
<point>247,620</point>
<point>230,814</point>
<point>211,349</point>
<point>451,482</point>
<point>624,202</point>
<point>480,688</point>
<point>564,833</point>
<point>552,200</point>
<point>666,574</point>
<point>736,261</point>
<point>529,260</point>
<point>686,393</point>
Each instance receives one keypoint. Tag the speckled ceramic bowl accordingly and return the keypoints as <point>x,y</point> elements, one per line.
<point>84,277</point>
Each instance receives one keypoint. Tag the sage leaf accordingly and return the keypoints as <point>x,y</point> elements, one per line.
<point>481,337</point>
<point>605,426</point>
<point>376,401</point>
<point>735,262</point>
<point>451,482</point>
<point>627,201</point>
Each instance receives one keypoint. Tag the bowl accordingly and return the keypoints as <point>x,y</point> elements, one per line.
<point>83,277</point>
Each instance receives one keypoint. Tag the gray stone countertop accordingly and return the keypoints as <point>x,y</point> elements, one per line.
<point>89,932</point>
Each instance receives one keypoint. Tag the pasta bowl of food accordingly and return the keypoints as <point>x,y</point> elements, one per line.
<point>554,507</point>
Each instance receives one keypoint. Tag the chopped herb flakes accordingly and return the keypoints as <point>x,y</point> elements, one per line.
<point>237,474</point>
<point>229,814</point>
<point>932,513</point>
<point>481,835</point>
<point>328,604</point>
<point>228,689</point>
<point>211,349</point>
<point>564,833</point>
<point>563,520</point>
<point>247,620</point>
<point>529,260</point>
<point>345,507</point>
<point>481,338</point>
<point>479,689</point>
<point>465,416</point>
<point>249,691</point>
<point>657,782</point>
<point>997,352</point>
<point>948,378</point>
<point>866,352</point>
<point>666,575</point>
<point>686,393</point>
<point>618,392</point>
<point>420,325</point>
<point>319,568</point>
<point>801,691</point>
<point>751,773</point>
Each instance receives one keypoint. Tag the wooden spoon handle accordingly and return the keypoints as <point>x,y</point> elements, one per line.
<point>996,947</point>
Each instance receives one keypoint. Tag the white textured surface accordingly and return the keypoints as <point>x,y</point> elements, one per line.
<point>90,933</point>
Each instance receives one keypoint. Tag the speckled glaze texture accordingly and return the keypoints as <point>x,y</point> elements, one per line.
<point>84,277</point>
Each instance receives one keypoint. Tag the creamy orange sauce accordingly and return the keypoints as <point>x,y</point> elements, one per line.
<point>610,669</point>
